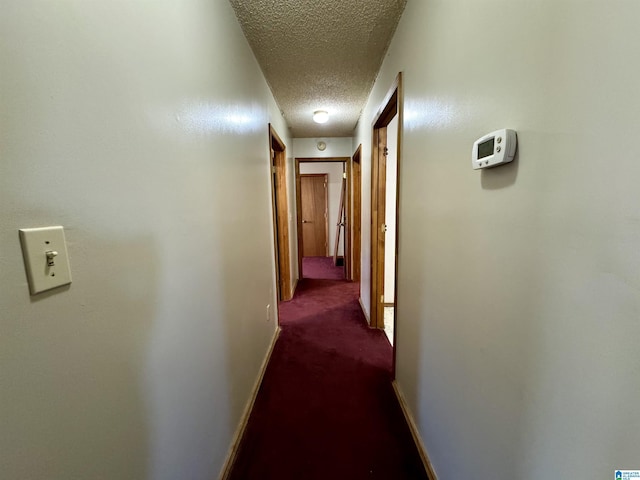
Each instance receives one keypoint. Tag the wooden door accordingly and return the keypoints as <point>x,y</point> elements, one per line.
<point>314,204</point>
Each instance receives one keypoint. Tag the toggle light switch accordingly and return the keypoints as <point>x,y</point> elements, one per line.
<point>50,256</point>
<point>45,258</point>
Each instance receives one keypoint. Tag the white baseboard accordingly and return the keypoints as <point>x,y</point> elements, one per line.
<point>235,444</point>
<point>414,433</point>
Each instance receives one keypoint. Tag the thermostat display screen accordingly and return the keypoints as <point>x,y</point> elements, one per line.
<point>493,149</point>
<point>485,148</point>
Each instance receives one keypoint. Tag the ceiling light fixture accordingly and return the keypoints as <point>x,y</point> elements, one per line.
<point>320,116</point>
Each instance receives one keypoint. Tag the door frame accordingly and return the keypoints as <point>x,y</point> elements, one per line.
<point>347,243</point>
<point>356,220</point>
<point>326,208</point>
<point>390,107</point>
<point>280,210</point>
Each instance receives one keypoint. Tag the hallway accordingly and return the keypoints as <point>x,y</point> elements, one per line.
<point>326,407</point>
<point>144,129</point>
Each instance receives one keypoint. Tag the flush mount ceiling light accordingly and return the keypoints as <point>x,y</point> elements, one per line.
<point>320,116</point>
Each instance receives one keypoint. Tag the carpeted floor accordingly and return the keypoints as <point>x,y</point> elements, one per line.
<point>321,268</point>
<point>326,408</point>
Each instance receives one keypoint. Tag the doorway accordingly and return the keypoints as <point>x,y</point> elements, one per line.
<point>335,261</point>
<point>280,209</point>
<point>385,166</point>
<point>314,204</point>
<point>390,214</point>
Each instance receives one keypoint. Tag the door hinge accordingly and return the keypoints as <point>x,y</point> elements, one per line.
<point>344,174</point>
<point>386,151</point>
<point>383,228</point>
<point>381,298</point>
<point>273,169</point>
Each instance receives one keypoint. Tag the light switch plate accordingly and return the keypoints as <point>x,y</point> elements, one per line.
<point>45,273</point>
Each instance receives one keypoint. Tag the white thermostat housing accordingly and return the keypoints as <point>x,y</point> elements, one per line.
<point>493,149</point>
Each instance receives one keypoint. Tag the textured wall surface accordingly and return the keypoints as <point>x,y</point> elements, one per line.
<point>335,147</point>
<point>323,54</point>
<point>519,287</point>
<point>142,128</point>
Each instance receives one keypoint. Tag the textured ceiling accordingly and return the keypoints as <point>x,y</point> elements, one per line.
<point>319,55</point>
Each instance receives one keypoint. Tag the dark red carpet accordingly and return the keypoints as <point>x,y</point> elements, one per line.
<point>321,268</point>
<point>326,408</point>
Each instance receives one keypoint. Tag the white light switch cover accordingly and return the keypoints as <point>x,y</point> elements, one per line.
<point>36,242</point>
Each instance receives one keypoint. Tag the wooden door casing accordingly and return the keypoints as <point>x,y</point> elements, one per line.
<point>357,214</point>
<point>314,204</point>
<point>299,160</point>
<point>391,106</point>
<point>280,211</point>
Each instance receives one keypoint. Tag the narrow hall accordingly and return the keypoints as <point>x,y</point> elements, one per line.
<point>326,407</point>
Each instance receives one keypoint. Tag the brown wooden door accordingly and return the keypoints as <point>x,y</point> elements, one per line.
<point>313,193</point>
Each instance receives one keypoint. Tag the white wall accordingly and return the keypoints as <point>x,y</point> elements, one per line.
<point>334,189</point>
<point>142,128</point>
<point>519,287</point>
<point>336,147</point>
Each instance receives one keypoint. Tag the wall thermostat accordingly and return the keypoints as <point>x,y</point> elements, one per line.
<point>493,149</point>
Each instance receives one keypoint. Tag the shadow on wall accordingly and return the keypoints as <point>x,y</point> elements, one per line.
<point>244,264</point>
<point>184,363</point>
<point>76,408</point>
<point>211,334</point>
<point>502,176</point>
<point>456,344</point>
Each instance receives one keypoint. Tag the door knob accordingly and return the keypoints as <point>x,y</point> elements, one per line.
<point>305,221</point>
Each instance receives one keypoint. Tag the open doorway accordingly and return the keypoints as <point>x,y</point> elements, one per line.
<point>390,220</point>
<point>385,164</point>
<point>323,192</point>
